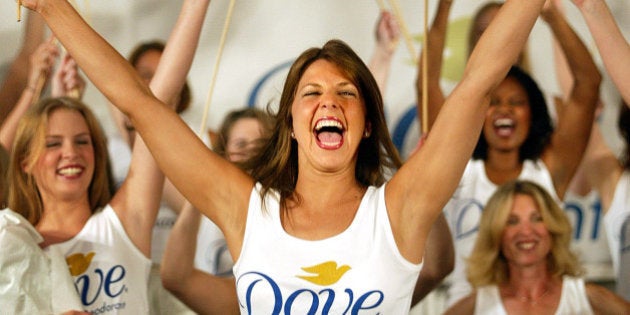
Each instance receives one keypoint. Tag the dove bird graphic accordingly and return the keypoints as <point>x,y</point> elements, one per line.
<point>325,273</point>
<point>78,263</point>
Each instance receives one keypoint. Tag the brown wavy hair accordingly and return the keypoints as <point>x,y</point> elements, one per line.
<point>29,145</point>
<point>488,266</point>
<point>277,162</point>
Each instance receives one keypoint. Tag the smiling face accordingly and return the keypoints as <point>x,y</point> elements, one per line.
<point>525,240</point>
<point>508,118</point>
<point>65,167</point>
<point>328,118</point>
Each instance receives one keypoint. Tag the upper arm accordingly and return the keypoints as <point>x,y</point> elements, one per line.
<point>208,294</point>
<point>604,301</point>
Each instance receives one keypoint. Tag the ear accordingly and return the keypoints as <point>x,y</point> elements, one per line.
<point>25,167</point>
<point>368,130</point>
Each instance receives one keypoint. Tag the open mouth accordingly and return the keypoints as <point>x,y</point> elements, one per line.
<point>72,171</point>
<point>329,133</point>
<point>525,245</point>
<point>504,127</point>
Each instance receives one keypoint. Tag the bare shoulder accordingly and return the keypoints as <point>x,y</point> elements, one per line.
<point>464,306</point>
<point>604,301</point>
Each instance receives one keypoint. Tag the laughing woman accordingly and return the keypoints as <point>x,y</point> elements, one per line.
<point>316,228</point>
<point>59,182</point>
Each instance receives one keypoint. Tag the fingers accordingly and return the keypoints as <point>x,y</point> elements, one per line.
<point>41,62</point>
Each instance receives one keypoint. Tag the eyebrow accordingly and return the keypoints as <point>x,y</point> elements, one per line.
<point>60,136</point>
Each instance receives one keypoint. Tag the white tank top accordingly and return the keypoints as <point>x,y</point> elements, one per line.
<point>573,299</point>
<point>617,221</point>
<point>360,270</point>
<point>463,213</point>
<point>110,273</point>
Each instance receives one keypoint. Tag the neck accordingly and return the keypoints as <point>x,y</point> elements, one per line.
<point>529,284</point>
<point>502,167</point>
<point>63,219</point>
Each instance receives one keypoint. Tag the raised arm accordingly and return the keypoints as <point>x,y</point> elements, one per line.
<point>435,50</point>
<point>602,168</point>
<point>439,260</point>
<point>182,156</point>
<point>413,196</point>
<point>570,138</point>
<point>16,79</point>
<point>202,292</point>
<point>138,199</point>
<point>612,46</point>
<point>40,67</point>
<point>387,34</point>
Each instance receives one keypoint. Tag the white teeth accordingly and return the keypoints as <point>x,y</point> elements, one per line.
<point>528,245</point>
<point>328,123</point>
<point>70,171</point>
<point>504,122</point>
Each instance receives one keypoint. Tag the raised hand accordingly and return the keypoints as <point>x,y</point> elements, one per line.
<point>67,81</point>
<point>41,64</point>
<point>387,32</point>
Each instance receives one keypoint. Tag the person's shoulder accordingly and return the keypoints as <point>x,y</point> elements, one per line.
<point>466,305</point>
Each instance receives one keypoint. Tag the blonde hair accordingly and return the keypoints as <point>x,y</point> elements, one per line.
<point>29,145</point>
<point>487,265</point>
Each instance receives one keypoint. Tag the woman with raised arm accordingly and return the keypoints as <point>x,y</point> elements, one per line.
<point>518,141</point>
<point>59,182</point>
<point>610,177</point>
<point>321,189</point>
<point>522,261</point>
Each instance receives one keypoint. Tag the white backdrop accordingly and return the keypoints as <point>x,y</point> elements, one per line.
<point>265,35</point>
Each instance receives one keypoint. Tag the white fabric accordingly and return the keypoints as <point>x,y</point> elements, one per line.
<point>589,240</point>
<point>31,281</point>
<point>110,273</point>
<point>463,213</point>
<point>617,222</point>
<point>164,222</point>
<point>573,299</point>
<point>212,254</point>
<point>378,279</point>
<point>119,157</point>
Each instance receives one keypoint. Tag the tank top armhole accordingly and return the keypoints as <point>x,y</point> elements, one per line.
<point>111,216</point>
<point>388,233</point>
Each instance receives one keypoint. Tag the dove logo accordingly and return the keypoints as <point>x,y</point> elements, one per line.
<point>91,285</point>
<point>326,273</point>
<point>308,301</point>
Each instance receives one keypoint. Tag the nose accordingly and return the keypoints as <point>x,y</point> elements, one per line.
<point>328,101</point>
<point>69,150</point>
<point>526,228</point>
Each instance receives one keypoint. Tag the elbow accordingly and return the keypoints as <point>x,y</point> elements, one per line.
<point>171,281</point>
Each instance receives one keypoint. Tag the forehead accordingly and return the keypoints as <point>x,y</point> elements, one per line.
<point>322,69</point>
<point>512,85</point>
<point>247,127</point>
<point>66,120</point>
<point>524,204</point>
<point>150,57</point>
